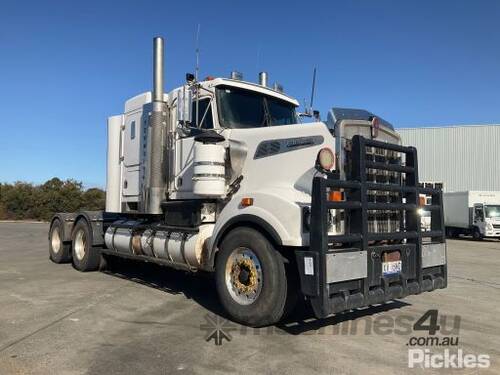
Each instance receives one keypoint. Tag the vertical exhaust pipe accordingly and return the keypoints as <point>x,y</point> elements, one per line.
<point>158,69</point>
<point>263,79</point>
<point>158,122</point>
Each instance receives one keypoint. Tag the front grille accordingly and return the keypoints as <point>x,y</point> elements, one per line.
<point>383,221</point>
<point>496,226</point>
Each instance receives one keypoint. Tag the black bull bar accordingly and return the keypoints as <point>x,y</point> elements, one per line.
<point>344,271</point>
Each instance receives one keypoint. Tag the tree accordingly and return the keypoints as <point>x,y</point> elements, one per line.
<point>94,199</point>
<point>23,200</point>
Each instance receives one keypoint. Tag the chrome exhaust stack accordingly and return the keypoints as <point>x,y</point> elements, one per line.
<point>263,79</point>
<point>158,122</point>
<point>158,70</point>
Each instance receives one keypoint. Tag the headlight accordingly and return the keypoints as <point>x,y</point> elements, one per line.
<point>489,227</point>
<point>326,159</point>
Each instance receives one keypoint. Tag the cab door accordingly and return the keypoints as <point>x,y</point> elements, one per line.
<point>478,217</point>
<point>185,146</point>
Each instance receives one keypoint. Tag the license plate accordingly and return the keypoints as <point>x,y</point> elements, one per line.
<point>391,268</point>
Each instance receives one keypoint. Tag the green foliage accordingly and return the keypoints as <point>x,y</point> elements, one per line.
<point>23,200</point>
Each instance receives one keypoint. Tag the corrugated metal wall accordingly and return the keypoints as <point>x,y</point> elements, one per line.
<point>463,157</point>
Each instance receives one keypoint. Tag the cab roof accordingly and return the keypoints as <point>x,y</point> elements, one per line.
<point>250,86</point>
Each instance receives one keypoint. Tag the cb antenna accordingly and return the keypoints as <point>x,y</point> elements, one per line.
<point>312,90</point>
<point>197,51</point>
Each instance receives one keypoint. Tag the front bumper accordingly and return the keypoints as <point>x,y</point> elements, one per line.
<point>348,272</point>
<point>343,272</point>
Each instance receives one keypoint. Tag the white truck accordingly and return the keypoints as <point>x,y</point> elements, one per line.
<point>221,175</point>
<point>426,215</point>
<point>475,213</point>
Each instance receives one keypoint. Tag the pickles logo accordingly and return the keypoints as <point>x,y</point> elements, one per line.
<point>423,358</point>
<point>451,356</point>
<point>217,329</point>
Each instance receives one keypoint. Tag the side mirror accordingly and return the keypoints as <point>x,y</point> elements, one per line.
<point>184,98</point>
<point>190,77</point>
<point>310,113</point>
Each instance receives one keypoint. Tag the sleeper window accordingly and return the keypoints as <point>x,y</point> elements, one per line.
<point>132,130</point>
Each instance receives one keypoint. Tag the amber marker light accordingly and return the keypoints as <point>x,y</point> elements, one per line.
<point>246,202</point>
<point>335,196</point>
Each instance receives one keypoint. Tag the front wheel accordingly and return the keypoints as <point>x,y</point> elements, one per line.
<point>251,278</point>
<point>476,234</point>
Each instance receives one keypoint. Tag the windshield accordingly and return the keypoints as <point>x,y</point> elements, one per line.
<point>240,108</point>
<point>492,211</point>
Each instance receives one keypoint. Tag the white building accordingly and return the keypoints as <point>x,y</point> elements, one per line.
<point>462,157</point>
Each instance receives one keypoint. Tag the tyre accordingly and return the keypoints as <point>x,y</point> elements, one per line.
<point>452,233</point>
<point>59,251</point>
<point>251,279</point>
<point>85,256</point>
<point>476,234</point>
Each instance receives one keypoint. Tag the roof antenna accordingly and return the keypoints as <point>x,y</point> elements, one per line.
<point>197,51</point>
<point>309,110</point>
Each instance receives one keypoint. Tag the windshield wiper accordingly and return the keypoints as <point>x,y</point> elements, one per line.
<point>267,114</point>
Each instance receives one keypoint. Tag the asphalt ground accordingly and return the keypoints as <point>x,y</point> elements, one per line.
<point>137,318</point>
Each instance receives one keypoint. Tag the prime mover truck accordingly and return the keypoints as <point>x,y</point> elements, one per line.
<point>475,213</point>
<point>221,175</point>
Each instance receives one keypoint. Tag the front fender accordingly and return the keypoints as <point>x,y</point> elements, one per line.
<point>278,211</point>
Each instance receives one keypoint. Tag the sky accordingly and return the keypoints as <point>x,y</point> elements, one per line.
<point>65,66</point>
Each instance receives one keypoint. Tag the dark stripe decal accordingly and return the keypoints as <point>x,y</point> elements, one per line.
<point>279,146</point>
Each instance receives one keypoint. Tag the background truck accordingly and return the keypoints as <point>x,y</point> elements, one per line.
<point>426,215</point>
<point>221,175</point>
<point>475,213</point>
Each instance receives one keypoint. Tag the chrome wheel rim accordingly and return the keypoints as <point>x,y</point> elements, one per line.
<point>80,242</point>
<point>243,276</point>
<point>55,240</point>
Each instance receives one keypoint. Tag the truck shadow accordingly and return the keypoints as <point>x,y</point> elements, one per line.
<point>200,288</point>
<point>303,320</point>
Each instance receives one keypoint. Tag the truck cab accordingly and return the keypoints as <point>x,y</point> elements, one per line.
<point>234,109</point>
<point>486,217</point>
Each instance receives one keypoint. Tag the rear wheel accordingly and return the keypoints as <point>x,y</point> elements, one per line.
<point>251,278</point>
<point>59,251</point>
<point>85,256</point>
